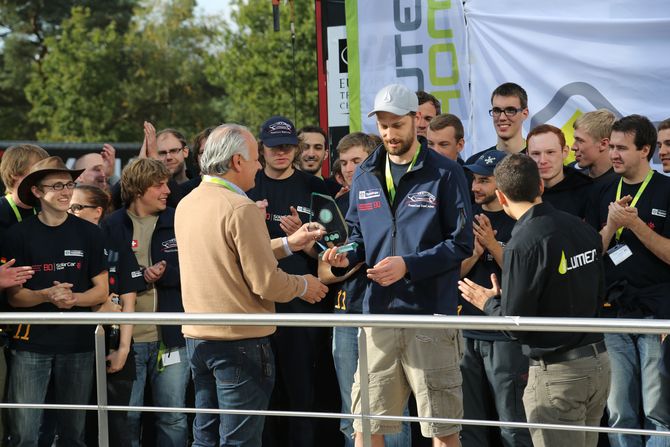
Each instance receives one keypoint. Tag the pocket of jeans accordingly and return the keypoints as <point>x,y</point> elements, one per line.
<point>267,360</point>
<point>568,396</point>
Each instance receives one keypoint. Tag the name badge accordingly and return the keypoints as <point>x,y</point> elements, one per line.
<point>619,253</point>
<point>171,358</point>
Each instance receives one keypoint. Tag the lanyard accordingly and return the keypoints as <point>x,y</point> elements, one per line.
<point>219,181</point>
<point>12,204</point>
<point>390,187</point>
<point>635,199</point>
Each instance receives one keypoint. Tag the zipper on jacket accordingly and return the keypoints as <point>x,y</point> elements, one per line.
<point>393,235</point>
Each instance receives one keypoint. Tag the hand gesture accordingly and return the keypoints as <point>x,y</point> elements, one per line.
<point>14,276</point>
<point>316,291</point>
<point>388,270</point>
<point>116,360</point>
<point>149,147</point>
<point>108,158</point>
<point>484,232</point>
<point>291,223</point>
<point>335,259</point>
<point>305,237</point>
<point>109,305</point>
<point>478,295</point>
<point>61,296</point>
<point>154,272</point>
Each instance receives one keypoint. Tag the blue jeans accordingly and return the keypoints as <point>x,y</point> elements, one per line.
<point>72,378</point>
<point>345,356</point>
<point>637,383</point>
<point>168,389</point>
<point>234,375</point>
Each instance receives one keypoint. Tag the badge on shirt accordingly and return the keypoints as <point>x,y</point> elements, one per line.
<point>619,253</point>
<point>134,243</point>
<point>171,358</point>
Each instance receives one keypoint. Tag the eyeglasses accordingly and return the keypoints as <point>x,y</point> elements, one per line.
<point>172,152</point>
<point>59,186</point>
<point>76,207</point>
<point>508,111</point>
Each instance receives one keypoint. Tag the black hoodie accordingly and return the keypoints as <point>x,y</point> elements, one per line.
<point>570,194</point>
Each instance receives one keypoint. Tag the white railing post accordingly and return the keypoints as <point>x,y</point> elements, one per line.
<point>101,386</point>
<point>364,386</point>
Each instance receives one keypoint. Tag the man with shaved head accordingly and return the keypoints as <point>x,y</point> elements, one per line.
<point>94,170</point>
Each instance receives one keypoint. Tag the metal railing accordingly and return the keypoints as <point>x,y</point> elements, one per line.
<point>531,324</point>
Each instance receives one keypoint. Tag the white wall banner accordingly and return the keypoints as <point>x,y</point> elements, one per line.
<point>338,79</point>
<point>571,57</point>
<point>418,43</point>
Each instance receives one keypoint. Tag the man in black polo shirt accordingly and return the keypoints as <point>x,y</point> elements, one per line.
<point>552,268</point>
<point>287,193</point>
<point>632,216</point>
<point>494,369</point>
<point>564,187</point>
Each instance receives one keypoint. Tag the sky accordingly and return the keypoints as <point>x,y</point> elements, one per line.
<point>215,7</point>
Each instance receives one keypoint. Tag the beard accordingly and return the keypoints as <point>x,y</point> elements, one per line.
<point>486,199</point>
<point>406,143</point>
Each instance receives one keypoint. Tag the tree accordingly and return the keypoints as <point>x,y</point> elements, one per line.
<point>99,85</point>
<point>25,27</point>
<point>257,67</point>
<point>77,96</point>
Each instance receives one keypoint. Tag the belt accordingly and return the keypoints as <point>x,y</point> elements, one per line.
<point>583,351</point>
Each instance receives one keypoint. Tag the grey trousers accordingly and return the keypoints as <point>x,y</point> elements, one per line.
<point>570,393</point>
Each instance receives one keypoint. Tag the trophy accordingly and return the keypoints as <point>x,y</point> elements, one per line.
<point>326,213</point>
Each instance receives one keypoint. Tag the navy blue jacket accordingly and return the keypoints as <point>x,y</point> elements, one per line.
<point>430,226</point>
<point>163,247</point>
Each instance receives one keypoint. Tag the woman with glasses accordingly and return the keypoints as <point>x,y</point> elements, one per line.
<point>125,280</point>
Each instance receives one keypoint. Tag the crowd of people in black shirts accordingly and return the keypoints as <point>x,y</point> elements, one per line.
<point>80,240</point>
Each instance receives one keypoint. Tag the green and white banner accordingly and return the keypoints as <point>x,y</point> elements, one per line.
<point>418,43</point>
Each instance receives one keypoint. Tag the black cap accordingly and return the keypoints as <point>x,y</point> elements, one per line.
<point>277,131</point>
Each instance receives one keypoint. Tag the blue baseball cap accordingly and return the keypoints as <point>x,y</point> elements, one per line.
<point>277,131</point>
<point>486,163</point>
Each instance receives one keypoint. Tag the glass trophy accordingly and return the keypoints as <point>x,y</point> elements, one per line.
<point>326,213</point>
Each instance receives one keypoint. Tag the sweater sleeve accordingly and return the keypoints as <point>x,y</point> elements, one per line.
<point>259,265</point>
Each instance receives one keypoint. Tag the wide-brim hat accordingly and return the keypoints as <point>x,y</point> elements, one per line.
<point>50,165</point>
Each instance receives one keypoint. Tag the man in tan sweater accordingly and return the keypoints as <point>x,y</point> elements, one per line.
<point>229,265</point>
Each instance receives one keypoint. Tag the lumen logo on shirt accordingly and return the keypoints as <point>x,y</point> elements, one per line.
<point>576,261</point>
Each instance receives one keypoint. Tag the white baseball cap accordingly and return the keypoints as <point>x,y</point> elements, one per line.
<point>396,99</point>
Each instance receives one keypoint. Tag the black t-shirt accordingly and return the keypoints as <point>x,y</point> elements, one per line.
<point>125,275</point>
<point>642,269</point>
<point>348,295</point>
<point>282,194</point>
<point>8,217</point>
<point>72,252</point>
<point>485,266</point>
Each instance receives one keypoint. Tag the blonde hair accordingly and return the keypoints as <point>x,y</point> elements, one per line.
<point>17,160</point>
<point>139,175</point>
<point>597,124</point>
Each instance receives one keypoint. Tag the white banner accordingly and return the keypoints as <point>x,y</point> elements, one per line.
<point>418,43</point>
<point>338,79</point>
<point>571,56</point>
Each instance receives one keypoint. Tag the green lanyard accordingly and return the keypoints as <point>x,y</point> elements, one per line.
<point>219,181</point>
<point>15,208</point>
<point>390,187</point>
<point>635,199</point>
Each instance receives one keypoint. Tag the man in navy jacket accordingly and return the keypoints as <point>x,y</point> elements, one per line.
<point>411,220</point>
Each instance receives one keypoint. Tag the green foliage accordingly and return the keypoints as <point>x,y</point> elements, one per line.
<point>94,70</point>
<point>25,27</point>
<point>257,69</point>
<point>77,94</point>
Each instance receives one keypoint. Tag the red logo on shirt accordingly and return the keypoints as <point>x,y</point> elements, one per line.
<point>651,225</point>
<point>134,244</point>
<point>369,206</point>
<point>48,267</point>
